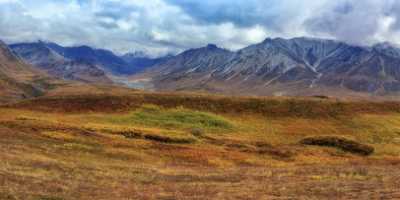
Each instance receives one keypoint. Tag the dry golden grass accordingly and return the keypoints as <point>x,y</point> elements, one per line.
<point>130,147</point>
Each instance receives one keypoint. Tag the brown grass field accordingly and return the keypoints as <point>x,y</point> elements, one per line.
<point>186,146</point>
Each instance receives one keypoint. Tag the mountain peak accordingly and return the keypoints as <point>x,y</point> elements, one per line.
<point>310,39</point>
<point>280,39</point>
<point>84,47</point>
<point>2,44</point>
<point>267,40</point>
<point>387,48</point>
<point>212,46</point>
<point>275,40</point>
<point>385,45</point>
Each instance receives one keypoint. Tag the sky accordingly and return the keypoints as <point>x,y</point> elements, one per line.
<point>159,27</point>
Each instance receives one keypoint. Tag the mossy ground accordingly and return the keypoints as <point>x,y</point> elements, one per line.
<point>176,118</point>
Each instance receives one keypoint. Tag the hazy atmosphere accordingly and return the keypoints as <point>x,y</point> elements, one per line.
<point>170,26</point>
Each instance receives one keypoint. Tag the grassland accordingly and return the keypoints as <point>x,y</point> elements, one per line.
<point>170,146</point>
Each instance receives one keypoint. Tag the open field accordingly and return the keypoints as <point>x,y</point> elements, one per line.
<point>170,146</point>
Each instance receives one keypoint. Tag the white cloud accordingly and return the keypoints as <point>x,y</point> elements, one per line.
<point>162,26</point>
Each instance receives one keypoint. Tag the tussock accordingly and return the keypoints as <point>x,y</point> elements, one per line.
<point>132,134</point>
<point>341,143</point>
<point>165,139</point>
<point>157,138</point>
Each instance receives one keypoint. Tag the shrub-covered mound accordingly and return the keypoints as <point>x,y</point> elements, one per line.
<point>341,143</point>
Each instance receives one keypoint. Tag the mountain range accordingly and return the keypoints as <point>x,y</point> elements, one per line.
<point>45,58</point>
<point>81,62</point>
<point>298,66</point>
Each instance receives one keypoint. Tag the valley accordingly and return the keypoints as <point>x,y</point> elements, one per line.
<point>70,131</point>
<point>133,83</point>
<point>275,67</point>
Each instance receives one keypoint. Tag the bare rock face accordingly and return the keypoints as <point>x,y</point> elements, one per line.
<point>288,66</point>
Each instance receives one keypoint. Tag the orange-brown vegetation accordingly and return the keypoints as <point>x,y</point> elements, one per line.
<point>141,145</point>
<point>273,107</point>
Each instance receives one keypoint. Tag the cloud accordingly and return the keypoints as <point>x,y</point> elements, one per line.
<point>165,26</point>
<point>360,22</point>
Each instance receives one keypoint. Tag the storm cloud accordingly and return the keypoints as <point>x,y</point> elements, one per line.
<point>170,26</point>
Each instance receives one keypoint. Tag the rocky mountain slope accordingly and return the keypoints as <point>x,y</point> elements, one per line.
<point>299,66</point>
<point>19,80</point>
<point>45,58</point>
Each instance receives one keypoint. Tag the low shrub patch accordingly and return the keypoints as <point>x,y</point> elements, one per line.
<point>132,134</point>
<point>341,143</point>
<point>165,139</point>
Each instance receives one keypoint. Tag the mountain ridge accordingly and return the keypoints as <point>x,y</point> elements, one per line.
<point>294,66</point>
<point>47,59</point>
<point>103,59</point>
<point>275,66</point>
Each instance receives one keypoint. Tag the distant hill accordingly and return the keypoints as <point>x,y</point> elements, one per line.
<point>45,58</point>
<point>47,53</point>
<point>106,60</point>
<point>298,66</point>
<point>139,61</point>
